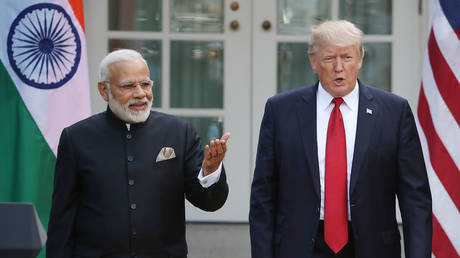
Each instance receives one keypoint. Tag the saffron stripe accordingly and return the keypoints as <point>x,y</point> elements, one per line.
<point>447,83</point>
<point>77,6</point>
<point>442,247</point>
<point>441,161</point>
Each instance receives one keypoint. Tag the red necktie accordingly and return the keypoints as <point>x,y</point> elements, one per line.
<point>335,196</point>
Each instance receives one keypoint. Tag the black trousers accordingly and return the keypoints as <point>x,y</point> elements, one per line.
<point>322,250</point>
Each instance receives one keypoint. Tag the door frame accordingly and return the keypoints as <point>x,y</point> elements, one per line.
<point>236,94</point>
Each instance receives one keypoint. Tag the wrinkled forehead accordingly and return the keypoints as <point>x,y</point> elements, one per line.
<point>129,70</point>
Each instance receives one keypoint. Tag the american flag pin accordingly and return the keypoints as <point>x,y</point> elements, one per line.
<point>369,111</point>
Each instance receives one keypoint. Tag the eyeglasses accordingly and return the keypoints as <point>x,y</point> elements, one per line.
<point>145,85</point>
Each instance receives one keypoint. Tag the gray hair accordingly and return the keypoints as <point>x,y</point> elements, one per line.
<point>341,33</point>
<point>117,56</point>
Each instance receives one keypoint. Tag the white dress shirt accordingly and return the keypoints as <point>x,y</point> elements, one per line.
<point>205,181</point>
<point>349,110</point>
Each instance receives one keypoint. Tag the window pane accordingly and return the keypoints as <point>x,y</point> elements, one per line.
<point>209,128</point>
<point>139,15</point>
<point>197,74</point>
<point>151,51</point>
<point>197,15</point>
<point>296,16</point>
<point>371,16</point>
<point>376,69</point>
<point>294,69</point>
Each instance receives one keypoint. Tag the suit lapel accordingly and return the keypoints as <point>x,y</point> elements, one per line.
<point>367,113</point>
<point>306,114</point>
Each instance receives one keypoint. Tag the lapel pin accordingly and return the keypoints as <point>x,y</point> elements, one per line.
<point>369,111</point>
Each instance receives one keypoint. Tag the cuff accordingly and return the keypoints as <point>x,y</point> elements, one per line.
<point>207,181</point>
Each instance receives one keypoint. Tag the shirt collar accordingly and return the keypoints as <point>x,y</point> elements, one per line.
<point>324,99</point>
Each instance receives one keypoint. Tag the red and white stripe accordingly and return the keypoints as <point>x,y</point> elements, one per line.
<point>438,120</point>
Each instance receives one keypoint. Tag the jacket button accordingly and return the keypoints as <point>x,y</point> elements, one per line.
<point>130,158</point>
<point>129,136</point>
<point>133,206</point>
<point>130,182</point>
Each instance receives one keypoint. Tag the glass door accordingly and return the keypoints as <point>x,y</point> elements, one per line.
<point>217,61</point>
<point>281,30</point>
<point>198,52</point>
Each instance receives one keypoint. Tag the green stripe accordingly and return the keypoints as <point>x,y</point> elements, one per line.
<point>26,160</point>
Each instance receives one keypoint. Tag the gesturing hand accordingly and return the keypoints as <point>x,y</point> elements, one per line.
<point>214,153</point>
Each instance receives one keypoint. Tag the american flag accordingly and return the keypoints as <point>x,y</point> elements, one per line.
<point>438,120</point>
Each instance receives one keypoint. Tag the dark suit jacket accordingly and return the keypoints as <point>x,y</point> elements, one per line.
<point>112,199</point>
<point>387,162</point>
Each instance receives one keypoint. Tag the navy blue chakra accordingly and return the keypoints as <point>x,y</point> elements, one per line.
<point>43,46</point>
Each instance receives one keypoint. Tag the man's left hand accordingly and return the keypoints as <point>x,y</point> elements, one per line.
<point>214,153</point>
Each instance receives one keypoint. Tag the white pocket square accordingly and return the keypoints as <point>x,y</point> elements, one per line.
<point>165,154</point>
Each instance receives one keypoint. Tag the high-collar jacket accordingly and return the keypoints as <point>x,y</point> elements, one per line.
<point>113,199</point>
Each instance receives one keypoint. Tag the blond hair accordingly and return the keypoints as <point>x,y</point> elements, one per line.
<point>340,33</point>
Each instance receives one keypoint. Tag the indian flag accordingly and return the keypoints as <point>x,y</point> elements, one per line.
<point>44,87</point>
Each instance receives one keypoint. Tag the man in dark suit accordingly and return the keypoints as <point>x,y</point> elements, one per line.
<point>331,159</point>
<point>121,176</point>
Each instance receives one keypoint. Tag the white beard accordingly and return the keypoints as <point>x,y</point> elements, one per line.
<point>130,116</point>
